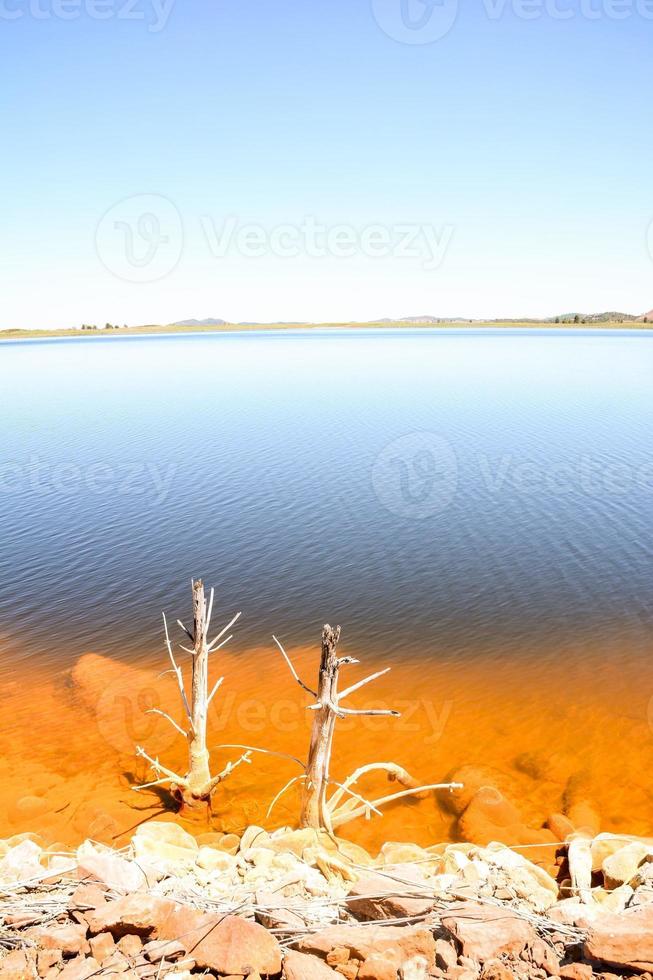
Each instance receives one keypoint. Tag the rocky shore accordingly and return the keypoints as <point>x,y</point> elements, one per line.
<point>305,906</point>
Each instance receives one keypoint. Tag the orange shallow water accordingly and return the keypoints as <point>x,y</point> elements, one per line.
<point>68,760</point>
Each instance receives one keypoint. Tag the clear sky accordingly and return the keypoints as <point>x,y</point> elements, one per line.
<point>335,159</point>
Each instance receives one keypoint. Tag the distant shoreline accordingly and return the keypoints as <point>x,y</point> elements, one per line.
<point>227,328</point>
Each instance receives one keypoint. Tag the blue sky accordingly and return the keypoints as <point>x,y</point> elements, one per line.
<point>173,159</point>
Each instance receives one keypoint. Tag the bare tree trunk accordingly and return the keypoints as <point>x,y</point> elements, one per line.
<point>318,812</point>
<point>314,812</point>
<point>199,775</point>
<point>195,788</point>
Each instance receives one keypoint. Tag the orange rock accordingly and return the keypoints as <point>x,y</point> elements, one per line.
<point>70,939</point>
<point>301,966</point>
<point>486,933</point>
<point>560,826</point>
<point>473,779</point>
<point>623,940</point>
<point>18,965</point>
<point>408,941</point>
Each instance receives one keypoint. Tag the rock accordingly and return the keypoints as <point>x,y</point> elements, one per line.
<point>408,941</point>
<point>390,896</point>
<point>624,940</point>
<point>571,912</point>
<point>137,914</point>
<point>222,943</point>
<point>544,957</point>
<point>22,862</point>
<point>473,779</point>
<point>213,859</point>
<point>81,968</point>
<point>70,939</point>
<point>112,870</point>
<point>621,867</point>
<point>18,965</point>
<point>165,847</point>
<point>446,956</point>
<point>496,970</point>
<point>158,949</point>
<point>229,843</point>
<point>380,966</point>
<point>253,837</point>
<point>560,826</point>
<point>301,966</point>
<point>272,913</point>
<point>486,932</point>
<point>394,852</point>
<point>603,845</point>
<point>102,946</point>
<point>46,959</point>
<point>576,971</point>
<point>130,945</point>
<point>489,816</point>
<point>614,901</point>
<point>584,818</point>
<point>87,897</point>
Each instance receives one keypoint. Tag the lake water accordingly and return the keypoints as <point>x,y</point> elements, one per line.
<point>474,508</point>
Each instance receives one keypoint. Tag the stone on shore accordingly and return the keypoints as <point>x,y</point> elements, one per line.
<point>398,894</point>
<point>623,940</point>
<point>485,932</point>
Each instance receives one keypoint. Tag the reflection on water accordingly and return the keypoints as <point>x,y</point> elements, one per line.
<point>474,509</point>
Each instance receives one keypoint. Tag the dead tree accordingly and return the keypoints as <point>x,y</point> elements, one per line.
<point>195,788</point>
<point>318,812</point>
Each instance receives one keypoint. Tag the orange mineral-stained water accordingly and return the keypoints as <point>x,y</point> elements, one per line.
<point>556,733</point>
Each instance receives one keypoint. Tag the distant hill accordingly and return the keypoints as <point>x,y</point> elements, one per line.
<point>209,322</point>
<point>646,317</point>
<point>611,317</point>
<point>423,319</point>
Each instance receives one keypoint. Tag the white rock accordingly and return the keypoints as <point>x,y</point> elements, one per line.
<point>211,860</point>
<point>21,862</point>
<point>111,869</point>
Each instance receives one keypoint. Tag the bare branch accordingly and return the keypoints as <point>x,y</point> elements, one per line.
<point>215,688</point>
<point>157,711</point>
<point>207,621</point>
<point>359,684</point>
<point>212,648</point>
<point>292,669</point>
<point>229,768</point>
<point>281,792</point>
<point>338,821</point>
<point>224,630</point>
<point>253,748</point>
<point>177,670</point>
<point>388,712</point>
<point>158,768</point>
<point>187,632</point>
